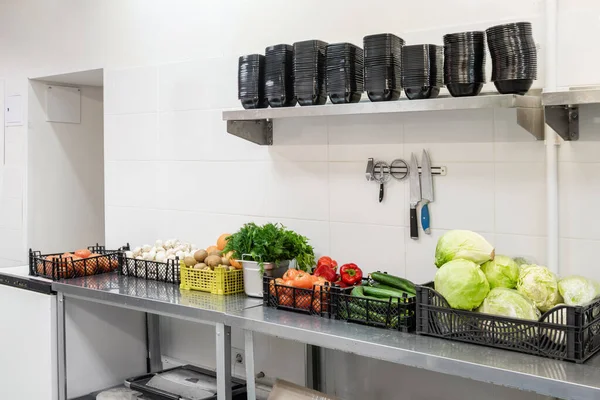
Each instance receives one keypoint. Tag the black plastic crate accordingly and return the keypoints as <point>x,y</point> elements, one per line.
<point>570,333</point>
<point>140,383</point>
<point>307,301</point>
<point>398,314</point>
<point>57,266</point>
<point>151,270</point>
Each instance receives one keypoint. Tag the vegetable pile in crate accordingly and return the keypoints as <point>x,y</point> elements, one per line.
<point>83,262</point>
<point>298,291</point>
<point>479,297</point>
<point>384,301</point>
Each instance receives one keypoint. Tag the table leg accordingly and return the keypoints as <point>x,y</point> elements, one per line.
<point>153,335</point>
<point>62,347</point>
<point>250,376</point>
<point>223,362</point>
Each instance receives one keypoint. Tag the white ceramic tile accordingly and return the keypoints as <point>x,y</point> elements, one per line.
<point>130,137</point>
<point>587,148</point>
<point>420,256</point>
<point>11,213</point>
<point>133,225</point>
<point>578,194</point>
<point>371,247</point>
<point>130,32</point>
<point>464,198</point>
<point>220,187</point>
<point>299,139</point>
<point>180,26</point>
<point>533,248</point>
<point>197,85</point>
<point>130,184</point>
<point>520,199</point>
<point>133,90</point>
<point>354,199</point>
<point>358,137</point>
<point>184,135</point>
<point>12,182</point>
<point>576,257</point>
<point>297,190</point>
<point>513,143</point>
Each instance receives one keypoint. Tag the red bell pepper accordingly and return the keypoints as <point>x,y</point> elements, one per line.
<point>326,272</point>
<point>351,274</point>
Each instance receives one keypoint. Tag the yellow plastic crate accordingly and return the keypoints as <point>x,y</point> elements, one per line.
<point>219,281</point>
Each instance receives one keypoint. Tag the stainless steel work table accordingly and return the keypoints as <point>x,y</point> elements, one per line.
<point>544,376</point>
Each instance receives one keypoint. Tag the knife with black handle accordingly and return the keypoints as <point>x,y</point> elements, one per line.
<point>415,196</point>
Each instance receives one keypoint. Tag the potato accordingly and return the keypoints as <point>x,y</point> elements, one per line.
<point>215,253</point>
<point>200,266</point>
<point>232,268</point>
<point>225,261</point>
<point>207,268</point>
<point>189,261</point>
<point>213,261</point>
<point>200,255</point>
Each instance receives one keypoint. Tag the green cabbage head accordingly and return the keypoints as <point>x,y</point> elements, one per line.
<point>465,245</point>
<point>540,285</point>
<point>509,303</point>
<point>577,290</point>
<point>502,271</point>
<point>462,284</point>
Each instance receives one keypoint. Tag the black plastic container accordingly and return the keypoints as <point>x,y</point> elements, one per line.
<point>570,333</point>
<point>140,383</point>
<point>312,301</point>
<point>394,314</point>
<point>151,270</point>
<point>57,266</point>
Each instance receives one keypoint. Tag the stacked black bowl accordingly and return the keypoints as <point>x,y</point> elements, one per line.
<point>422,70</point>
<point>279,75</point>
<point>251,81</point>
<point>344,73</point>
<point>464,63</point>
<point>383,71</point>
<point>514,57</point>
<point>310,72</point>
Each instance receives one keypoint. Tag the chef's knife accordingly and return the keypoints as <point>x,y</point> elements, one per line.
<point>415,196</point>
<point>426,191</point>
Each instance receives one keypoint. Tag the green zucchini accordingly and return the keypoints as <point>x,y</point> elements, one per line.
<point>385,293</point>
<point>359,291</point>
<point>394,281</point>
<point>359,312</point>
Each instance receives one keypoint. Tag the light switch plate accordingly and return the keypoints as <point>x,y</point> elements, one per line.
<point>13,110</point>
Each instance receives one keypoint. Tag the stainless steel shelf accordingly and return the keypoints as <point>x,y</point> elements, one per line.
<point>544,376</point>
<point>562,109</point>
<point>256,126</point>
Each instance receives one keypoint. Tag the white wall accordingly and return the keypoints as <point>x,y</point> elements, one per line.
<point>66,177</point>
<point>171,69</point>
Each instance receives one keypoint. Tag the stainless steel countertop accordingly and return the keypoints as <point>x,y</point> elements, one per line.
<point>154,297</point>
<point>544,376</point>
<point>548,377</point>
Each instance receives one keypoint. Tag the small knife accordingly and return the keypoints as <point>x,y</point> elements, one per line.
<point>426,192</point>
<point>415,196</point>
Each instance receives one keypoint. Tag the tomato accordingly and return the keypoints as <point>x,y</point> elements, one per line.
<point>291,274</point>
<point>303,301</point>
<point>303,280</point>
<point>83,253</point>
<point>317,306</point>
<point>285,300</point>
<point>280,289</point>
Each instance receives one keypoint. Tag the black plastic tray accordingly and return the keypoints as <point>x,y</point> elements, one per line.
<point>398,315</point>
<point>151,270</point>
<point>238,386</point>
<point>570,333</point>
<point>66,268</point>
<point>305,301</point>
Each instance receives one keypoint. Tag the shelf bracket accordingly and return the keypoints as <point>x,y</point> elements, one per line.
<point>259,131</point>
<point>564,120</point>
<point>532,120</point>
